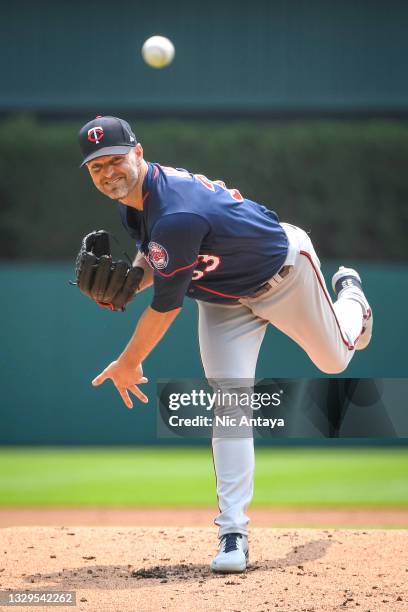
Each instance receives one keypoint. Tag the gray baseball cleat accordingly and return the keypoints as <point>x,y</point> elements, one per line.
<point>233,555</point>
<point>347,282</point>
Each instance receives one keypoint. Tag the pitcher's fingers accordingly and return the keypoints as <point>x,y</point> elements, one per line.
<point>125,396</point>
<point>139,394</point>
<point>98,380</point>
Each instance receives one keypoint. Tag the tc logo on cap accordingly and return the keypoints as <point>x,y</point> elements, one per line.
<point>96,134</point>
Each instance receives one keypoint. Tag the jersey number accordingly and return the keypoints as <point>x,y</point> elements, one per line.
<point>212,262</point>
<point>234,193</point>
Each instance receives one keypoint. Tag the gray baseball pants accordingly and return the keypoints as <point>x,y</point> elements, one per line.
<point>230,338</point>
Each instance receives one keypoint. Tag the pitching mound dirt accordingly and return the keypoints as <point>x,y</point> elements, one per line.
<point>122,569</point>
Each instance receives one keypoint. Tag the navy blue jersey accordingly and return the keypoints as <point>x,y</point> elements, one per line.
<point>202,239</point>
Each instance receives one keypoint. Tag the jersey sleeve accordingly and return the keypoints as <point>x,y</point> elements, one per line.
<point>172,252</point>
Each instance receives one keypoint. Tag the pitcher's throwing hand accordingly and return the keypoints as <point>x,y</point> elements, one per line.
<point>126,378</point>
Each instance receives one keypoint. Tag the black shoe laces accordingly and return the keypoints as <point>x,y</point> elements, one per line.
<point>231,542</point>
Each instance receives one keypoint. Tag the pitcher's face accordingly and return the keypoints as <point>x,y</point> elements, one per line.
<point>116,176</point>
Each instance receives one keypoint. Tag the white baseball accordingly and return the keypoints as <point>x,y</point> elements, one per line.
<point>158,51</point>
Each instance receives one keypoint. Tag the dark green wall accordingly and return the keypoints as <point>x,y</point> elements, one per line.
<point>345,181</point>
<point>267,55</point>
<point>54,341</point>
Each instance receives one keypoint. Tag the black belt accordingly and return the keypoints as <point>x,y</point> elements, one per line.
<point>267,286</point>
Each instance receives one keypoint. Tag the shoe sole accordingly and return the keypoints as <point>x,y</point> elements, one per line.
<point>365,338</point>
<point>229,570</point>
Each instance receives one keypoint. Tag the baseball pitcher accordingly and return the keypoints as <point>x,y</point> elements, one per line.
<point>202,239</point>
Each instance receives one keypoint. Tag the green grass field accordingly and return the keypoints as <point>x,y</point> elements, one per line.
<point>184,477</point>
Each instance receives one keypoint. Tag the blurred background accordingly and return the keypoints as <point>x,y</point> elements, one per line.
<point>303,106</point>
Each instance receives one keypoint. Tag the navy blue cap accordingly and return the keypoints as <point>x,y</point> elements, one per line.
<point>105,136</point>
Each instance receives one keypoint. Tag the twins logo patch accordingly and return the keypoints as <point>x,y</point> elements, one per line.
<point>158,255</point>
